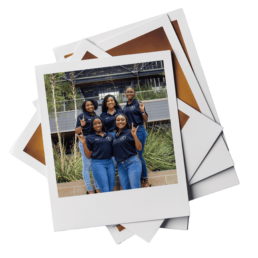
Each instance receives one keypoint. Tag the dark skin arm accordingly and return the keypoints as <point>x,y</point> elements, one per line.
<point>78,130</point>
<point>142,106</point>
<point>138,144</point>
<point>87,152</point>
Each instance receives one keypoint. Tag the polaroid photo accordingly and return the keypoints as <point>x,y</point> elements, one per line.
<point>147,230</point>
<point>155,35</point>
<point>219,175</point>
<point>233,175</point>
<point>73,209</point>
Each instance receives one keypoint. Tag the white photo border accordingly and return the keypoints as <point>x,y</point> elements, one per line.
<point>160,202</point>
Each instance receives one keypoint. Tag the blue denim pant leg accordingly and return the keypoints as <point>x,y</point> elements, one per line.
<point>134,169</point>
<point>113,158</point>
<point>104,173</point>
<point>130,173</point>
<point>86,170</point>
<point>123,176</point>
<point>142,136</point>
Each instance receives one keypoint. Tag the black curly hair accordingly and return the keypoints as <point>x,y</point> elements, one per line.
<point>127,123</point>
<point>93,101</point>
<point>130,87</point>
<point>91,124</point>
<point>104,103</point>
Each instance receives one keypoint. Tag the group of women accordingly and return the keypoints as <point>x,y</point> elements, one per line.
<point>116,138</point>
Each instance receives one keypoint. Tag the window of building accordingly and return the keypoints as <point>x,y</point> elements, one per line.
<point>103,95</point>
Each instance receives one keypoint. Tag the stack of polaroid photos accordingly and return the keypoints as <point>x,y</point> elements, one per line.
<point>126,119</point>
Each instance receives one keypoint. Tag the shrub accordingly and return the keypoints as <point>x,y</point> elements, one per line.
<point>72,167</point>
<point>159,149</point>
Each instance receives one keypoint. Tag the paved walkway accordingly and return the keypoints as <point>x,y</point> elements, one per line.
<point>167,177</point>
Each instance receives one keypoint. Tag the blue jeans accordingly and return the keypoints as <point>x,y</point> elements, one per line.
<point>142,135</point>
<point>104,173</point>
<point>113,158</point>
<point>130,173</point>
<point>86,170</point>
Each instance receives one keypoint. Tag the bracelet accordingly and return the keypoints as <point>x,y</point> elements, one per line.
<point>143,113</point>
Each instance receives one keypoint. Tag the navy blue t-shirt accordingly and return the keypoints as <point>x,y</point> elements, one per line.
<point>87,118</point>
<point>134,113</point>
<point>101,147</point>
<point>109,120</point>
<point>124,145</point>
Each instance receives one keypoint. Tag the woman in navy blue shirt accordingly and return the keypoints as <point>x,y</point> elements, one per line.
<point>83,125</point>
<point>125,146</point>
<point>137,115</point>
<point>98,147</point>
<point>110,108</point>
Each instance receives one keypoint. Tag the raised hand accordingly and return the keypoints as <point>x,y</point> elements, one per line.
<point>141,106</point>
<point>81,138</point>
<point>82,121</point>
<point>134,130</point>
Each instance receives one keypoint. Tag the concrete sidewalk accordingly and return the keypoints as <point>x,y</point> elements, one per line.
<point>75,188</point>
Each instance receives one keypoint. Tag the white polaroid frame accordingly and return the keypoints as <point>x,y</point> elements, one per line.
<point>74,210</point>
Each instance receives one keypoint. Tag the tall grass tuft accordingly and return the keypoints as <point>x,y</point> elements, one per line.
<point>72,170</point>
<point>159,149</point>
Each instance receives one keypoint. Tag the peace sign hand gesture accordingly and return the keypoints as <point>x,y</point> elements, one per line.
<point>134,131</point>
<point>83,122</point>
<point>141,106</point>
<point>81,138</point>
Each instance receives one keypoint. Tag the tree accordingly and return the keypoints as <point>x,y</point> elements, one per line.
<point>58,90</point>
<point>54,105</point>
<point>53,86</point>
<point>75,108</point>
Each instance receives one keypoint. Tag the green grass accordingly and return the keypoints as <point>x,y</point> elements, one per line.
<point>159,149</point>
<point>72,170</point>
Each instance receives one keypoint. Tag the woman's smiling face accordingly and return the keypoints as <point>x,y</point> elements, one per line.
<point>110,103</point>
<point>89,107</point>
<point>130,93</point>
<point>120,122</point>
<point>97,125</point>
